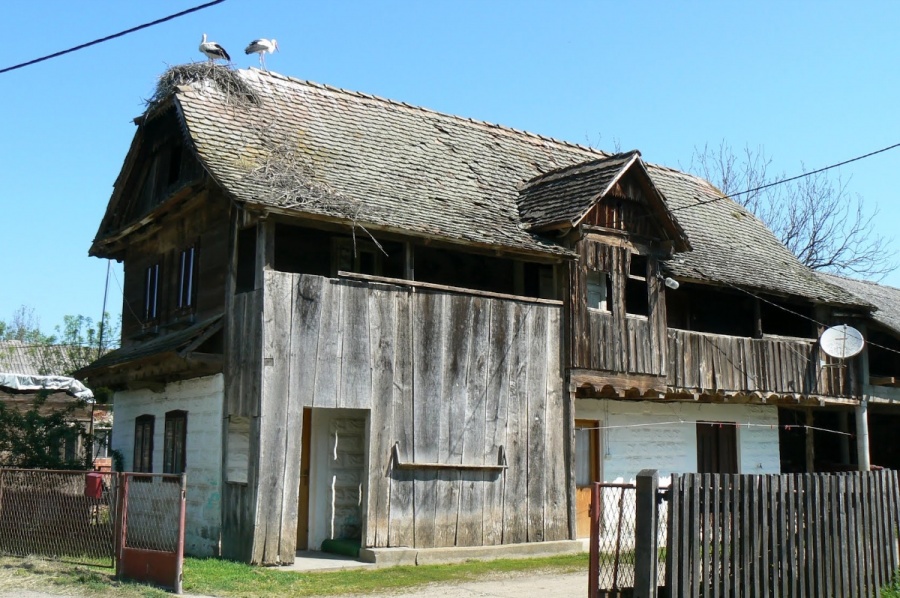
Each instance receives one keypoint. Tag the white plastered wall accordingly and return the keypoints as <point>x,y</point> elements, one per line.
<point>203,399</point>
<point>663,436</point>
<point>640,435</point>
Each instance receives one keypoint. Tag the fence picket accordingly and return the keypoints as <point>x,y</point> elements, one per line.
<point>806,536</point>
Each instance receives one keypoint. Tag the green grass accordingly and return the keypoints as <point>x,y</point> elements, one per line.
<point>215,577</point>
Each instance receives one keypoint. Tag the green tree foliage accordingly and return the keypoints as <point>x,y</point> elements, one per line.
<point>36,434</point>
<point>39,437</point>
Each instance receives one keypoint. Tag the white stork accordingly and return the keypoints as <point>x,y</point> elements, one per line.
<point>261,46</point>
<point>213,50</point>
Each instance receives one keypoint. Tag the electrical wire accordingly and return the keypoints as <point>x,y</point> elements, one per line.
<point>109,37</point>
<point>786,427</point>
<point>788,180</point>
<point>779,306</point>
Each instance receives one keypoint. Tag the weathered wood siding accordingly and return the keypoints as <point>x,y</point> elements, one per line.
<point>243,378</point>
<point>450,378</point>
<point>613,341</point>
<point>204,226</point>
<point>700,361</point>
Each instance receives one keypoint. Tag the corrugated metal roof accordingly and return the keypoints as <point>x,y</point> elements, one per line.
<point>36,359</point>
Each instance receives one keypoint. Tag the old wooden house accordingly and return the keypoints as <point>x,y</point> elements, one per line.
<point>349,317</point>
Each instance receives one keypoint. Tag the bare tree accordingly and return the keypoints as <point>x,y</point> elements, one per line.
<point>816,217</point>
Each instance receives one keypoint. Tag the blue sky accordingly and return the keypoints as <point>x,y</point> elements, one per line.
<point>813,83</point>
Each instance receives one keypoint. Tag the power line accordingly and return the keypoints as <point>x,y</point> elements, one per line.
<point>734,424</point>
<point>782,307</point>
<point>109,37</point>
<point>787,180</point>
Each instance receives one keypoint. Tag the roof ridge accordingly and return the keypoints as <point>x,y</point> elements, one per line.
<point>860,280</point>
<point>457,117</point>
<point>588,164</point>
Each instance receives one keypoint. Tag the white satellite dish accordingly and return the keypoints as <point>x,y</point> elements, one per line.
<point>842,341</point>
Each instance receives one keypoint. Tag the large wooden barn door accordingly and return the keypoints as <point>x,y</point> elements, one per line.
<point>587,471</point>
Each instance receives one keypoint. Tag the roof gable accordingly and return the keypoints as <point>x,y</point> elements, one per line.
<point>159,163</point>
<point>564,198</point>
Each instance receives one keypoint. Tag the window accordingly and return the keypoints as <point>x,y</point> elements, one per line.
<point>174,442</point>
<point>717,447</point>
<point>151,292</point>
<point>186,277</point>
<point>362,257</point>
<point>174,171</point>
<point>599,290</point>
<point>101,443</point>
<point>636,292</point>
<point>143,444</point>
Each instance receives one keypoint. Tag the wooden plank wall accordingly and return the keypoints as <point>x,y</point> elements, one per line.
<point>612,341</point>
<point>809,535</point>
<point>700,361</point>
<point>448,377</point>
<point>243,377</point>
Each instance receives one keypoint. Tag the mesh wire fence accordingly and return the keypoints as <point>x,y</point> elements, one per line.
<point>617,536</point>
<point>152,499</point>
<point>65,515</point>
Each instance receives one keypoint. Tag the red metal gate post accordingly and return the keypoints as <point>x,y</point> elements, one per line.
<point>594,556</point>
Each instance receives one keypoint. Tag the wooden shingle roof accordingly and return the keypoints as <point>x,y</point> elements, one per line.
<point>391,165</point>
<point>885,299</point>
<point>380,162</point>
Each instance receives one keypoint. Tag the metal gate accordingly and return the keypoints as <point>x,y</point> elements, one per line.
<point>613,536</point>
<point>151,541</point>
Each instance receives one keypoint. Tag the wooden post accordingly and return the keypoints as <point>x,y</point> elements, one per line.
<point>646,549</point>
<point>810,443</point>
<point>862,434</point>
<point>844,426</point>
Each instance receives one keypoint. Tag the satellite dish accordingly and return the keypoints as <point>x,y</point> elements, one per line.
<point>842,341</point>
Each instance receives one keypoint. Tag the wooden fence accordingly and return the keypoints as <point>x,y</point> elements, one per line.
<point>810,535</point>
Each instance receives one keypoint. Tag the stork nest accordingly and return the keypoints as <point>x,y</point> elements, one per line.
<point>236,90</point>
<point>287,177</point>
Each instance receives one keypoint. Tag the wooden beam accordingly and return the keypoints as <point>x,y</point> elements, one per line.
<point>449,289</point>
<point>501,465</point>
<point>642,382</point>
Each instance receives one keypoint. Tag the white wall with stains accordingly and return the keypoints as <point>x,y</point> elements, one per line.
<point>203,399</point>
<point>663,436</point>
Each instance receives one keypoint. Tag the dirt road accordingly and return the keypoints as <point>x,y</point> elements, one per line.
<point>569,585</point>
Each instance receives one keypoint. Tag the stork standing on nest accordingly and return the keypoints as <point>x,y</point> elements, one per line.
<point>213,50</point>
<point>261,46</point>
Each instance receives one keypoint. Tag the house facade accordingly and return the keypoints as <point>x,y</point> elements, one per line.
<point>350,318</point>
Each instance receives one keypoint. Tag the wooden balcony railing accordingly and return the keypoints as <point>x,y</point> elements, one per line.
<point>704,361</point>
